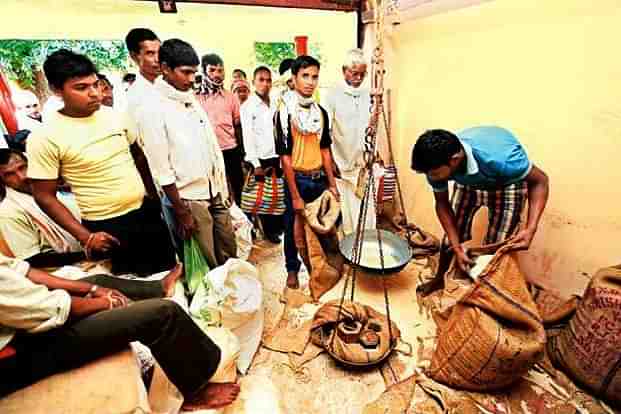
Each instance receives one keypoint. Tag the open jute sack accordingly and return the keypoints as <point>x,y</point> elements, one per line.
<point>493,334</point>
<point>318,245</point>
<point>588,349</point>
<point>358,336</point>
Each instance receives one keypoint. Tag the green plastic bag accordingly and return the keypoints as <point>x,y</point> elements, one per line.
<point>195,264</point>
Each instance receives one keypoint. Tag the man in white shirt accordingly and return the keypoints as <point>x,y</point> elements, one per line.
<point>143,46</point>
<point>257,118</point>
<point>184,156</point>
<point>348,106</point>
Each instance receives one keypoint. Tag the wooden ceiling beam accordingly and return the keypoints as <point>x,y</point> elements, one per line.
<point>334,5</point>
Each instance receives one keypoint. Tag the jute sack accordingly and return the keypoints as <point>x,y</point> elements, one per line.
<point>493,334</point>
<point>323,213</point>
<point>317,243</point>
<point>357,335</point>
<point>588,349</point>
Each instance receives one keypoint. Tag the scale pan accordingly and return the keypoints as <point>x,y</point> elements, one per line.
<point>397,252</point>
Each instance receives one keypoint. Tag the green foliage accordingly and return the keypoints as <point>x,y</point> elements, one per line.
<point>21,59</point>
<point>271,54</point>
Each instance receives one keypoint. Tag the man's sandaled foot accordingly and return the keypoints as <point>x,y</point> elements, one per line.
<point>214,396</point>
<point>427,288</point>
<point>292,280</point>
<point>169,282</point>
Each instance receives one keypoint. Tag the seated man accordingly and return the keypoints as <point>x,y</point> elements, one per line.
<point>490,168</point>
<point>49,325</point>
<point>89,148</point>
<point>29,233</point>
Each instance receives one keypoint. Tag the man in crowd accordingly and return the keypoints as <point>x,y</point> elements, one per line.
<point>303,143</point>
<point>107,97</point>
<point>257,117</point>
<point>128,80</point>
<point>184,156</point>
<point>29,233</point>
<point>50,325</point>
<point>143,46</point>
<point>284,70</point>
<point>241,90</point>
<point>29,119</point>
<point>284,89</point>
<point>490,168</point>
<point>223,110</point>
<point>28,111</point>
<point>348,106</point>
<point>87,145</point>
<point>239,74</point>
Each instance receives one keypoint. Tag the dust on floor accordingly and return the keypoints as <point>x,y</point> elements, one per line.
<point>322,386</point>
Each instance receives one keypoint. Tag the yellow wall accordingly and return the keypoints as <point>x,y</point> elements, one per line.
<point>228,30</point>
<point>548,70</point>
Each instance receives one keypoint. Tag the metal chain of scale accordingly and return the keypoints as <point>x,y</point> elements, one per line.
<point>370,151</point>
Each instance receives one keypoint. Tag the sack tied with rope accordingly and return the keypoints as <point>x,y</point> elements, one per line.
<point>358,336</point>
<point>588,348</point>
<point>317,243</point>
<point>493,334</point>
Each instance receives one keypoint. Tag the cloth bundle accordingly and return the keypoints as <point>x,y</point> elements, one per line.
<point>232,297</point>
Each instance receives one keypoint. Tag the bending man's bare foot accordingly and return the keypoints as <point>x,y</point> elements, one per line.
<point>169,282</point>
<point>292,280</point>
<point>212,397</point>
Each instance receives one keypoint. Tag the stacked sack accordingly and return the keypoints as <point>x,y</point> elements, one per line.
<point>588,348</point>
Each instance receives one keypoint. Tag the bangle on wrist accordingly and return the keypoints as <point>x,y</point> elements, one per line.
<point>87,248</point>
<point>88,240</point>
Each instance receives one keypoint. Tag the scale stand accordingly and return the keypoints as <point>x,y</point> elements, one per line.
<point>352,245</point>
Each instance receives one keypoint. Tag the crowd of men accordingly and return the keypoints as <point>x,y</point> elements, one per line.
<point>93,182</point>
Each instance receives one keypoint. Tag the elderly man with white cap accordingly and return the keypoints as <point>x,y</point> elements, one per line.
<point>348,105</point>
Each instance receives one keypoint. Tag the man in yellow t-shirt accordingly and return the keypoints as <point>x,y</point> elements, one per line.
<point>89,148</point>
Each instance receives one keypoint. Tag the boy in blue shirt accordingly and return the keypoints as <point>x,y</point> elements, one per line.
<point>490,168</point>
